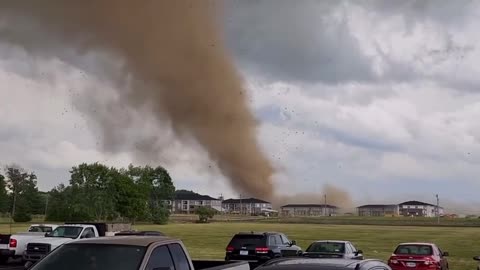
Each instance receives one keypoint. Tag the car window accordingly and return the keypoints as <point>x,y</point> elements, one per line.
<point>92,256</point>
<point>179,257</point>
<point>88,233</point>
<point>278,240</point>
<point>272,241</point>
<point>348,249</point>
<point>246,240</point>
<point>284,239</point>
<point>160,258</point>
<point>352,247</point>
<point>414,250</point>
<point>328,247</point>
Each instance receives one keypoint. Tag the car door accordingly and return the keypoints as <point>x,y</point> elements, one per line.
<point>355,254</point>
<point>160,258</point>
<point>349,251</point>
<point>275,244</point>
<point>287,248</point>
<point>443,259</point>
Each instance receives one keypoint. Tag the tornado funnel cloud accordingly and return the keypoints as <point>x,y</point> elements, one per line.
<point>179,68</point>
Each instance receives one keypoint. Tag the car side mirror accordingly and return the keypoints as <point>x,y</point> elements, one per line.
<point>476,258</point>
<point>47,234</point>
<point>359,252</point>
<point>445,254</point>
<point>293,243</point>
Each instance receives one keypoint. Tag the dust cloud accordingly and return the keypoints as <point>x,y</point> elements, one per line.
<point>335,196</point>
<point>173,64</point>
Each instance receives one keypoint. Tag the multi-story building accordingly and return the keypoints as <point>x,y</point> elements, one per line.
<point>308,210</point>
<point>419,209</point>
<point>186,202</point>
<point>247,206</point>
<point>378,210</point>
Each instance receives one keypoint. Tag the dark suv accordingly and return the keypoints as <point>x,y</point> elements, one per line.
<point>260,247</point>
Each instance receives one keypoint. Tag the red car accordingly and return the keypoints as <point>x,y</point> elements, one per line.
<point>413,256</point>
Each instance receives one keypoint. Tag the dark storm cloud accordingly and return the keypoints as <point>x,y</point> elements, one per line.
<point>295,42</point>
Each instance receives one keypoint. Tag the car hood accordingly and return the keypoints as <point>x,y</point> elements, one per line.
<point>54,241</point>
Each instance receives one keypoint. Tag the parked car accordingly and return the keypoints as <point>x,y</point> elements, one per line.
<point>39,248</point>
<point>418,256</point>
<point>333,249</point>
<point>128,253</point>
<point>13,246</point>
<point>303,263</point>
<point>477,258</point>
<point>260,247</point>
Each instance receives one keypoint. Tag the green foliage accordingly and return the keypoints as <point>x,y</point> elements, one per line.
<point>21,215</point>
<point>98,193</point>
<point>205,213</point>
<point>24,197</point>
<point>4,200</point>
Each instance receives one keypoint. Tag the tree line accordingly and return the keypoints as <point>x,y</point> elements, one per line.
<point>95,192</point>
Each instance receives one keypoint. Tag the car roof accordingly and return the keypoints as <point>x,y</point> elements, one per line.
<point>296,262</point>
<point>416,243</point>
<point>127,240</point>
<point>332,241</point>
<point>257,233</point>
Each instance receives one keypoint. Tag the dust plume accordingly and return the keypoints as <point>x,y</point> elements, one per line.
<point>335,196</point>
<point>173,66</point>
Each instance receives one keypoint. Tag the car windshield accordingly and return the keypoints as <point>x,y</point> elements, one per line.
<point>327,247</point>
<point>248,240</point>
<point>93,257</point>
<point>40,229</point>
<point>414,250</point>
<point>66,231</point>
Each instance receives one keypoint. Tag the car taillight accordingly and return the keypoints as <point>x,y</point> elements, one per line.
<point>229,249</point>
<point>13,243</point>
<point>393,260</point>
<point>262,250</point>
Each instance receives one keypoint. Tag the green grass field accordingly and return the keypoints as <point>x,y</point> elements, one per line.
<point>208,241</point>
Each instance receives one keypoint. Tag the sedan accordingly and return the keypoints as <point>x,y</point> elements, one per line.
<point>333,249</point>
<point>411,256</point>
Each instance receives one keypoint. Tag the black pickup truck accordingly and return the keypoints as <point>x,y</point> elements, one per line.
<point>128,253</point>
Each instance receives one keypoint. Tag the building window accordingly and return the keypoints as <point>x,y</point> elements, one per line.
<point>201,202</point>
<point>185,202</point>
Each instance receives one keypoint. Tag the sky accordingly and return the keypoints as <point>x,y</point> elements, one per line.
<point>378,98</point>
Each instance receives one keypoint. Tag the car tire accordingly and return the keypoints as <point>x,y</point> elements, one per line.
<point>3,259</point>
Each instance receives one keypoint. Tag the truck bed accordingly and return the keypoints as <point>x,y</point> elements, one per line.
<point>220,265</point>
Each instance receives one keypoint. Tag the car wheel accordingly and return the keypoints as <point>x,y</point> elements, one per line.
<point>3,260</point>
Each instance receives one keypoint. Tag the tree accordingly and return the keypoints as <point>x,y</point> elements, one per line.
<point>158,185</point>
<point>24,195</point>
<point>93,189</point>
<point>4,201</point>
<point>205,213</point>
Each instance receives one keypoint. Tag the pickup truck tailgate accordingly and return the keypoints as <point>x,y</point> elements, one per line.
<point>4,241</point>
<point>220,265</point>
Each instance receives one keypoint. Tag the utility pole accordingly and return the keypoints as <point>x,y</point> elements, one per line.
<point>438,209</point>
<point>46,206</point>
<point>325,205</point>
<point>241,205</point>
<point>13,209</point>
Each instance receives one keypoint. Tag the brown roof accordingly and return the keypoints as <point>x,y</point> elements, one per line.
<point>127,240</point>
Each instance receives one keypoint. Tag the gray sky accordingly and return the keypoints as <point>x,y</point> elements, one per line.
<point>378,98</point>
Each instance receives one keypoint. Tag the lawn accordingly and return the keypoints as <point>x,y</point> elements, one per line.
<point>208,241</point>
